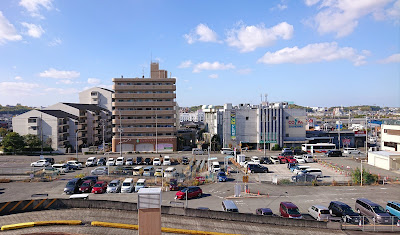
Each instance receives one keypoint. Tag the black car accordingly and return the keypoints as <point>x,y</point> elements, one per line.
<point>265,160</point>
<point>185,160</point>
<point>148,161</point>
<point>299,152</point>
<point>139,160</point>
<point>72,167</point>
<point>101,161</point>
<point>334,153</point>
<point>256,168</point>
<point>50,160</point>
<point>93,178</point>
<point>344,211</point>
<point>73,186</point>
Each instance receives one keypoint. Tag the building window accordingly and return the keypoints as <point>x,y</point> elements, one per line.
<point>287,135</point>
<point>287,117</point>
<point>247,118</point>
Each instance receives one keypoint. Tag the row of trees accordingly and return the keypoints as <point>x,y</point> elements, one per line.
<point>13,142</point>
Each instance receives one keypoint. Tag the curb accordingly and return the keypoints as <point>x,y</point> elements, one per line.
<point>163,229</point>
<point>40,223</point>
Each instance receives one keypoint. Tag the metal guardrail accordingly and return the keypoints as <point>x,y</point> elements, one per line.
<point>368,223</point>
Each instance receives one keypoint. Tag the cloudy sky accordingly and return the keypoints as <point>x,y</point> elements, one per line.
<point>311,52</point>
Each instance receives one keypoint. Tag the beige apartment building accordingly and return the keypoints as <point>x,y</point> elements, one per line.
<point>144,113</point>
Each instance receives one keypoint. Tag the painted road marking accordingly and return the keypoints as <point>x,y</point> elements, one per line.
<point>40,203</point>
<point>28,204</point>
<point>16,205</point>
<point>2,208</point>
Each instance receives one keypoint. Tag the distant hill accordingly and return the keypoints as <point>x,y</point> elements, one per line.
<point>14,110</point>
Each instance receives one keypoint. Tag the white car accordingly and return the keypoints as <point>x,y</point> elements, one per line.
<point>167,161</point>
<point>275,160</point>
<point>156,162</point>
<point>63,168</point>
<point>299,159</point>
<point>101,170</point>
<point>308,158</point>
<point>75,163</point>
<point>299,169</point>
<point>129,162</point>
<point>320,213</point>
<point>40,163</point>
<point>351,151</point>
<point>110,162</point>
<point>120,161</point>
<point>255,159</point>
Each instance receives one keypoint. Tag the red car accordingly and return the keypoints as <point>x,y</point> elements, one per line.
<point>282,159</point>
<point>290,159</point>
<point>100,187</point>
<point>86,186</point>
<point>289,210</point>
<point>191,192</point>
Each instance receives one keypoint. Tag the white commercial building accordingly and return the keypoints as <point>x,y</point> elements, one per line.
<point>251,126</point>
<point>197,116</point>
<point>98,96</point>
<point>389,157</point>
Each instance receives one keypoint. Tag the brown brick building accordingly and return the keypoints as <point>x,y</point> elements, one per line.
<point>145,108</point>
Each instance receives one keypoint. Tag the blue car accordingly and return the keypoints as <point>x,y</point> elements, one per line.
<point>221,176</point>
<point>393,208</point>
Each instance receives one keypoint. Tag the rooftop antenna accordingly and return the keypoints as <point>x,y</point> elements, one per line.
<point>266,98</point>
<point>142,71</point>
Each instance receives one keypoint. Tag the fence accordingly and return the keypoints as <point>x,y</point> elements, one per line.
<point>369,223</point>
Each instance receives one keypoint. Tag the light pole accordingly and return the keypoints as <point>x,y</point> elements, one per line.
<point>120,134</point>
<point>156,135</point>
<point>104,145</point>
<point>76,143</point>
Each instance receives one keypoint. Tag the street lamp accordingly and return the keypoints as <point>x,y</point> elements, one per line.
<point>76,143</point>
<point>103,124</point>
<point>120,134</point>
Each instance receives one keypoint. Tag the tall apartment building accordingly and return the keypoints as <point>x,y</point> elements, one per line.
<point>144,112</point>
<point>98,96</point>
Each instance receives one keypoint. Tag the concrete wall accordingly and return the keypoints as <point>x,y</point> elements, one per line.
<point>104,98</point>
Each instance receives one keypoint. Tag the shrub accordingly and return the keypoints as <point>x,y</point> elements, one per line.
<point>276,147</point>
<point>284,181</point>
<point>368,178</point>
<point>81,175</point>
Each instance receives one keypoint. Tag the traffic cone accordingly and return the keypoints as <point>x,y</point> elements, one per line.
<point>258,193</point>
<point>268,195</point>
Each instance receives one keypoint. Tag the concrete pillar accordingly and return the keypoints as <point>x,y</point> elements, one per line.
<point>149,207</point>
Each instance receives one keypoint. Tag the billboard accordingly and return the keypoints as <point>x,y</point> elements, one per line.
<point>296,123</point>
<point>233,125</point>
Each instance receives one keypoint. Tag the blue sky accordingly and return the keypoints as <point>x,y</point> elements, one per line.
<point>311,52</point>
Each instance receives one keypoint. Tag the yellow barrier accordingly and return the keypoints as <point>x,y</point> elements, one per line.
<point>165,230</point>
<point>17,226</point>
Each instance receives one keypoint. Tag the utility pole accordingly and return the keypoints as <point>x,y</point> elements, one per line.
<point>104,144</point>
<point>156,136</point>
<point>120,134</point>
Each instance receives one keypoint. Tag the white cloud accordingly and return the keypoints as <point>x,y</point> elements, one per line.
<point>62,91</point>
<point>59,74</point>
<point>55,42</point>
<point>17,88</point>
<point>244,71</point>
<point>214,76</point>
<point>185,64</point>
<point>281,7</point>
<point>249,38</point>
<point>201,33</point>
<point>394,12</point>
<point>341,16</point>
<point>212,66</point>
<point>395,58</point>
<point>34,31</point>
<point>313,53</point>
<point>19,78</point>
<point>93,81</point>
<point>7,31</point>
<point>65,81</point>
<point>34,6</point>
<point>311,2</point>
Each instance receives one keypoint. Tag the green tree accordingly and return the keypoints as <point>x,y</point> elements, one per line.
<point>276,147</point>
<point>13,142</point>
<point>3,132</point>
<point>368,178</point>
<point>215,142</point>
<point>32,141</point>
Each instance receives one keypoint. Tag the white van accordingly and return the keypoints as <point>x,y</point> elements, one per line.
<point>215,167</point>
<point>228,151</point>
<point>351,151</point>
<point>314,171</point>
<point>170,172</point>
<point>92,161</point>
<point>141,183</point>
<point>127,186</point>
<point>120,161</point>
<point>300,168</point>
<point>138,170</point>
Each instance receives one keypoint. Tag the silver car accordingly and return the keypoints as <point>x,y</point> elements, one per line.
<point>102,170</point>
<point>320,213</point>
<point>114,186</point>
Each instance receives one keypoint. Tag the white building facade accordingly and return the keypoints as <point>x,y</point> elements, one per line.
<point>98,96</point>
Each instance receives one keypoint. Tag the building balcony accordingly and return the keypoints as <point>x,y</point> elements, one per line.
<point>144,121</point>
<point>145,129</point>
<point>144,112</point>
<point>145,104</point>
<point>144,96</point>
<point>144,87</point>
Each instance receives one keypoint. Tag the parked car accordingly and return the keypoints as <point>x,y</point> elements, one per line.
<point>138,170</point>
<point>299,152</point>
<point>114,186</point>
<point>334,153</point>
<point>256,168</point>
<point>120,161</point>
<point>166,161</point>
<point>101,161</point>
<point>148,171</point>
<point>312,171</point>
<point>229,206</point>
<point>282,159</point>
<point>40,163</point>
<point>308,158</point>
<point>255,159</point>
<point>285,150</point>
<point>100,187</point>
<point>93,178</point>
<point>71,167</point>
<point>170,172</point>
<point>73,186</point>
<point>320,213</point>
<point>185,160</point>
<point>292,166</point>
<point>62,167</point>
<point>86,186</point>
<point>139,160</point>
<point>141,183</point>
<point>275,160</point>
<point>51,170</point>
<point>159,172</point>
<point>173,185</point>
<point>50,160</point>
<point>289,210</point>
<point>264,211</point>
<point>156,161</point>
<point>110,162</point>
<point>127,186</point>
<point>368,208</point>
<point>75,163</point>
<point>344,211</point>
<point>300,168</point>
<point>92,161</point>
<point>221,176</point>
<point>299,159</point>
<point>101,170</point>
<point>304,178</point>
<point>266,160</point>
<point>129,161</point>
<point>148,161</point>
<point>393,208</point>
<point>290,159</point>
<point>123,170</point>
<point>351,151</point>
<point>190,192</point>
